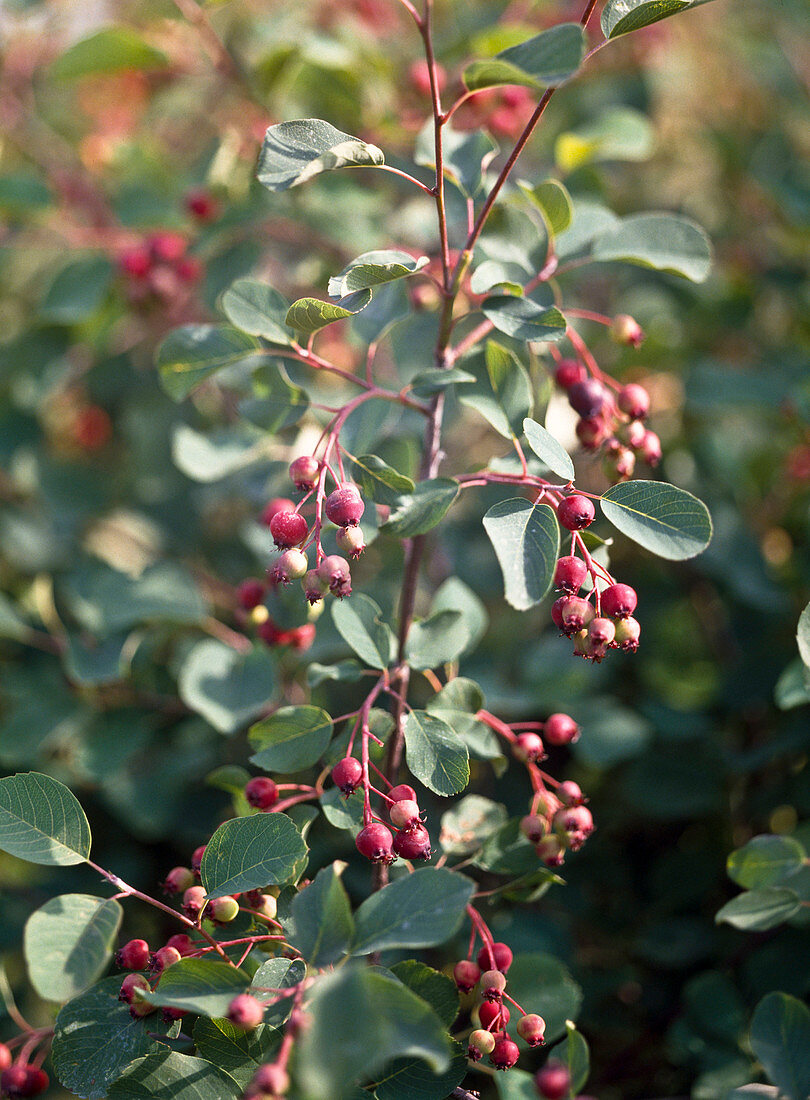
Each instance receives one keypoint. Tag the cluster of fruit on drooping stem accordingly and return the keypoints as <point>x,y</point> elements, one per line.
<point>20,1077</point>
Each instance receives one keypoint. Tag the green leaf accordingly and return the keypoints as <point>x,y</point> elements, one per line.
<point>11,624</point>
<point>277,403</point>
<point>204,986</point>
<point>442,637</point>
<point>239,1053</point>
<point>577,1057</point>
<point>507,851</point>
<point>41,821</point>
<point>759,910</point>
<point>544,61</point>
<point>623,16</point>
<point>343,813</point>
<point>21,193</point>
<point>420,511</point>
<point>548,450</point>
<point>248,853</point>
<point>226,687</point>
<point>360,624</point>
<point>803,636</point>
<point>68,943</point>
<point>343,672</point>
<point>309,315</point>
<point>435,753</point>
<point>792,689</point>
<point>272,976</point>
<point>553,201</point>
<point>660,241</point>
<point>469,823</point>
<point>780,1038</point>
<point>95,1039</point>
<point>502,393</point>
<point>429,382</point>
<point>524,319</point>
<point>173,1076</point>
<point>192,353</point>
<point>417,910</point>
<point>77,291</point>
<point>493,273</point>
<point>257,309</point>
<point>291,739</point>
<point>379,481</point>
<point>526,540</point>
<point>454,595</point>
<point>411,1079</point>
<point>440,992</point>
<point>467,154</point>
<point>619,133</point>
<point>334,1053</point>
<point>294,152</point>
<point>373,269</point>
<point>110,50</point>
<point>323,928</point>
<point>210,457</point>
<point>108,602</point>
<point>765,861</point>
<point>663,519</point>
<point>516,1085</point>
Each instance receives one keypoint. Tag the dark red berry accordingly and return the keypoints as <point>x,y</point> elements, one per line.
<point>250,594</point>
<point>196,859</point>
<point>304,472</point>
<point>496,957</point>
<point>288,529</point>
<point>134,955</point>
<point>347,774</point>
<point>376,843</point>
<point>576,512</point>
<point>136,262</point>
<point>245,1012</point>
<point>169,1015</point>
<point>492,1013</point>
<point>23,1080</point>
<point>466,974</point>
<point>166,956</point>
<point>570,573</point>
<point>504,1054</point>
<point>569,372</point>
<point>556,611</point>
<point>560,729</point>
<point>334,571</point>
<point>402,793</point>
<point>269,632</point>
<point>202,205</point>
<point>273,507</point>
<point>553,1081</point>
<point>528,747</point>
<point>588,398</point>
<point>412,843</point>
<point>592,432</point>
<point>634,400</point>
<point>344,507</point>
<point>618,601</point>
<point>261,792</point>
<point>182,943</point>
<point>531,1028</point>
<point>404,814</point>
<point>178,880</point>
<point>131,986</point>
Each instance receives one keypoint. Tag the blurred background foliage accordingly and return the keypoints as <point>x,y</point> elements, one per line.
<point>127,520</point>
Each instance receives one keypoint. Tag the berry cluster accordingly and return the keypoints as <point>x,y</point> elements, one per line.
<point>159,268</point>
<point>558,822</point>
<point>410,839</point>
<point>20,1078</point>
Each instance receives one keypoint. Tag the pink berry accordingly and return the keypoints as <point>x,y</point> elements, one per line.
<point>291,566</point>
<point>493,983</point>
<point>576,512</point>
<point>405,814</point>
<point>304,472</point>
<point>402,793</point>
<point>178,880</point>
<point>618,601</point>
<point>196,859</point>
<point>334,571</point>
<point>301,637</point>
<point>531,1028</point>
<point>193,901</point>
<point>619,464</point>
<point>261,792</point>
<point>592,432</point>
<point>168,247</point>
<point>553,1081</point>
<point>569,793</point>
<point>628,632</point>
<point>130,987</point>
<point>182,943</point>
<point>551,851</point>
<point>533,827</point>
<point>570,573</point>
<point>376,843</point>
<point>588,398</point>
<point>480,1042</point>
<point>136,262</point>
<point>496,957</point>
<point>569,372</point>
<point>202,205</point>
<point>420,77</point>
<point>633,433</point>
<point>576,819</point>
<point>134,955</point>
<point>528,747</point>
<point>466,974</point>
<point>504,1054</point>
<point>626,330</point>
<point>288,529</point>
<point>575,614</point>
<point>602,631</point>
<point>634,401</point>
<point>491,1012</point>
<point>6,1057</point>
<point>650,449</point>
<point>412,843</point>
<point>164,958</point>
<point>350,541</point>
<point>344,507</point>
<point>250,594</point>
<point>271,1079</point>
<point>273,507</point>
<point>314,588</point>
<point>346,774</point>
<point>560,729</point>
<point>223,910</point>
<point>245,1012</point>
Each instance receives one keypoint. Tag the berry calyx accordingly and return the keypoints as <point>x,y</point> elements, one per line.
<point>344,507</point>
<point>533,827</point>
<point>178,880</point>
<point>261,792</point>
<point>405,814</point>
<point>504,1054</point>
<point>131,986</point>
<point>569,372</point>
<point>491,1013</point>
<point>466,974</point>
<point>335,573</point>
<point>588,398</point>
<point>551,851</point>
<point>304,472</point>
<point>532,1028</point>
<point>413,843</point>
<point>223,910</point>
<point>314,588</point>
<point>165,957</point>
<point>528,747</point>
<point>346,774</point>
<point>350,541</point>
<point>626,330</point>
<point>575,614</point>
<point>376,843</point>
<point>553,1081</point>
<point>479,1043</point>
<point>618,601</point>
<point>634,400</point>
<point>576,512</point>
<point>497,956</point>
<point>250,594</point>
<point>274,506</point>
<point>493,983</point>
<point>134,955</point>
<point>402,793</point>
<point>560,729</point>
<point>245,1012</point>
<point>570,573</point>
<point>288,529</point>
<point>291,566</point>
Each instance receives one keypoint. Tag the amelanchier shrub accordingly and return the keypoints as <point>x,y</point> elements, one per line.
<point>271,985</point>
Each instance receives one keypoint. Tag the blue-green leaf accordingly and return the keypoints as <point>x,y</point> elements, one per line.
<point>548,59</point>
<point>780,1038</point>
<point>41,821</point>
<point>435,753</point>
<point>192,353</point>
<point>258,309</point>
<point>526,540</point>
<point>360,624</point>
<point>294,152</point>
<point>546,447</point>
<point>248,853</point>
<point>660,241</point>
<point>68,943</point>
<point>663,519</point>
<point>374,269</point>
<point>418,910</point>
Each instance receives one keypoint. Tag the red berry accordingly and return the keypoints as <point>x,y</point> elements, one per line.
<point>166,956</point>
<point>196,859</point>
<point>569,372</point>
<point>528,747</point>
<point>533,827</point>
<point>553,1081</point>
<point>626,330</point>
<point>569,793</point>
<point>413,843</point>
<point>570,573</point>
<point>301,637</point>
<point>344,507</point>
<point>269,632</point>
<point>650,449</point>
<point>5,1057</point>
<point>178,880</point>
<point>496,957</point>
<point>350,541</point>
<point>288,529</point>
<point>245,1012</point>
<point>304,472</point>
<point>36,1081</point>
<point>480,1042</point>
<point>130,986</point>
<point>531,1028</point>
<point>168,246</point>
<point>18,1080</point>
<point>376,843</point>
<point>634,400</point>
<point>271,1079</point>
<point>492,1013</point>
<point>136,262</point>
<point>588,398</point>
<point>273,507</point>
<point>493,983</point>
<point>182,943</point>
<point>250,594</point>
<point>592,432</point>
<point>466,974</point>
<point>576,512</point>
<point>602,632</point>
<point>202,205</point>
<point>134,955</point>
<point>346,774</point>
<point>505,1054</point>
<point>556,611</point>
<point>575,613</point>
<point>560,729</point>
<point>334,571</point>
<point>261,792</point>
<point>404,814</point>
<point>618,601</point>
<point>402,793</point>
<point>190,269</point>
<point>628,632</point>
<point>194,901</point>
<point>420,77</point>
<point>92,427</point>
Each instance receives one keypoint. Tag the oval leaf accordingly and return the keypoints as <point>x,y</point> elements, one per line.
<point>258,309</point>
<point>420,511</point>
<point>623,16</point>
<point>759,910</point>
<point>548,450</point>
<point>434,381</point>
<point>360,624</point>
<point>526,540</point>
<point>322,924</point>
<point>379,481</point>
<point>248,853</point>
<point>435,753</point>
<point>765,861</point>
<point>441,637</point>
<point>780,1038</point>
<point>309,315</point>
<point>41,821</point>
<point>418,910</point>
<point>294,152</point>
<point>524,319</point>
<point>173,1076</point>
<point>374,269</point>
<point>502,393</point>
<point>544,61</point>
<point>204,986</point>
<point>68,943</point>
<point>659,241</point>
<point>291,739</point>
<point>663,519</point>
<point>192,353</point>
<point>226,687</point>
